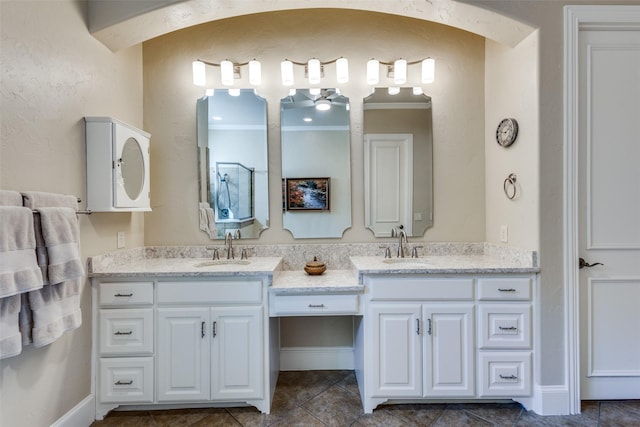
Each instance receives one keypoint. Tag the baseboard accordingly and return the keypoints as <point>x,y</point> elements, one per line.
<point>551,400</point>
<point>81,415</point>
<point>316,358</point>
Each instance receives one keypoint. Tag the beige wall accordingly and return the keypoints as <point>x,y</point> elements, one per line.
<point>457,94</point>
<point>53,74</point>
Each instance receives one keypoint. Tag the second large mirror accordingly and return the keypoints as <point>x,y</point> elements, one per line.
<point>232,148</point>
<point>316,163</point>
<point>398,162</point>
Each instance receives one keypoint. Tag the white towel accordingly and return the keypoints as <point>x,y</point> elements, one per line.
<point>19,270</point>
<point>10,198</point>
<point>55,308</point>
<point>10,338</point>
<point>207,220</point>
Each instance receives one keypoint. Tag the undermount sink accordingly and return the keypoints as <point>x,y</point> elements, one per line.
<point>215,262</point>
<point>405,261</point>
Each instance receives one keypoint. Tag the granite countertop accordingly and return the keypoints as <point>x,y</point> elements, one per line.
<point>334,281</point>
<point>444,264</point>
<point>186,267</point>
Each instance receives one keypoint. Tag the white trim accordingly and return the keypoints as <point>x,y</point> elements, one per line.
<point>548,400</point>
<point>83,414</point>
<point>578,18</point>
<point>316,358</point>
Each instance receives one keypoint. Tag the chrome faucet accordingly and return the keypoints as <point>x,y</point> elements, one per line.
<point>228,242</point>
<point>402,237</point>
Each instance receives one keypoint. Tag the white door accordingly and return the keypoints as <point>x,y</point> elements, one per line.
<point>388,169</point>
<point>609,213</point>
<point>397,351</point>
<point>449,350</point>
<point>183,354</point>
<point>236,356</point>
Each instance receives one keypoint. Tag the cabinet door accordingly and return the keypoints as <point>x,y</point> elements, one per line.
<point>449,350</point>
<point>237,359</point>
<point>396,351</point>
<point>183,354</point>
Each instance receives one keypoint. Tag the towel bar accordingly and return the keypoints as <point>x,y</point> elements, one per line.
<point>87,212</point>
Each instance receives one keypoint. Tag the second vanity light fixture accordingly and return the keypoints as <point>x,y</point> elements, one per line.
<point>314,71</point>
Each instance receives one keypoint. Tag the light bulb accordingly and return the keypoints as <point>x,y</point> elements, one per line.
<point>417,90</point>
<point>313,71</point>
<point>226,73</point>
<point>255,72</point>
<point>428,70</point>
<point>342,70</point>
<point>286,69</point>
<point>199,73</point>
<point>400,71</point>
<point>314,91</point>
<point>394,90</point>
<point>373,72</point>
<point>234,91</point>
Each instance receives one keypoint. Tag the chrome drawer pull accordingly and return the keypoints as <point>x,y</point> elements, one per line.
<point>202,330</point>
<point>214,332</point>
<point>123,333</point>
<point>429,326</point>
<point>120,382</point>
<point>508,377</point>
<point>316,305</point>
<point>418,326</point>
<point>507,328</point>
<point>119,295</point>
<point>506,290</point>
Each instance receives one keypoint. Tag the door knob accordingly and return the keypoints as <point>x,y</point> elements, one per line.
<point>584,263</point>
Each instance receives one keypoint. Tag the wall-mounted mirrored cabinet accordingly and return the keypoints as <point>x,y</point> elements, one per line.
<point>117,166</point>
<point>232,163</point>
<point>316,163</point>
<point>398,162</point>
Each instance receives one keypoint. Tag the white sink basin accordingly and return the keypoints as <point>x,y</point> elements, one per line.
<point>216,262</point>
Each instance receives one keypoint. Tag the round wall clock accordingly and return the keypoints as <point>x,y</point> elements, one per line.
<point>507,132</point>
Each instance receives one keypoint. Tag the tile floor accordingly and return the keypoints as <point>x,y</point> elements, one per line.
<point>331,398</point>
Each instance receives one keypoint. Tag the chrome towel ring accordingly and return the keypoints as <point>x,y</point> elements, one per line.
<point>509,186</point>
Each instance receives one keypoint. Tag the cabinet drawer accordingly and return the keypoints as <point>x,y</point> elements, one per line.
<point>505,325</point>
<point>126,293</point>
<point>127,379</point>
<point>408,288</point>
<point>126,331</point>
<point>504,288</point>
<point>504,374</point>
<point>312,305</point>
<point>228,291</point>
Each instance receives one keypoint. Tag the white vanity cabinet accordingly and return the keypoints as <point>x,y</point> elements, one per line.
<point>213,350</point>
<point>435,336</point>
<point>179,342</point>
<point>422,337</point>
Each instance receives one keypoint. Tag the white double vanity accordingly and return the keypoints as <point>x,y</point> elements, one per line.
<point>171,332</point>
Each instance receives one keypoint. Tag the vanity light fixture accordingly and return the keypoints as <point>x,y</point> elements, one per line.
<point>314,71</point>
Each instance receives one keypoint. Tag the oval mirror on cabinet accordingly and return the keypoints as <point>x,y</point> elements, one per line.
<point>398,162</point>
<point>316,163</point>
<point>232,164</point>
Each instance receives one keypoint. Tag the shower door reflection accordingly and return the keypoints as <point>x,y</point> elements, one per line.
<point>233,192</point>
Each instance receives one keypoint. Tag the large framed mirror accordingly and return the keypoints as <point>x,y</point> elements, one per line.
<point>232,163</point>
<point>316,163</point>
<point>398,162</point>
